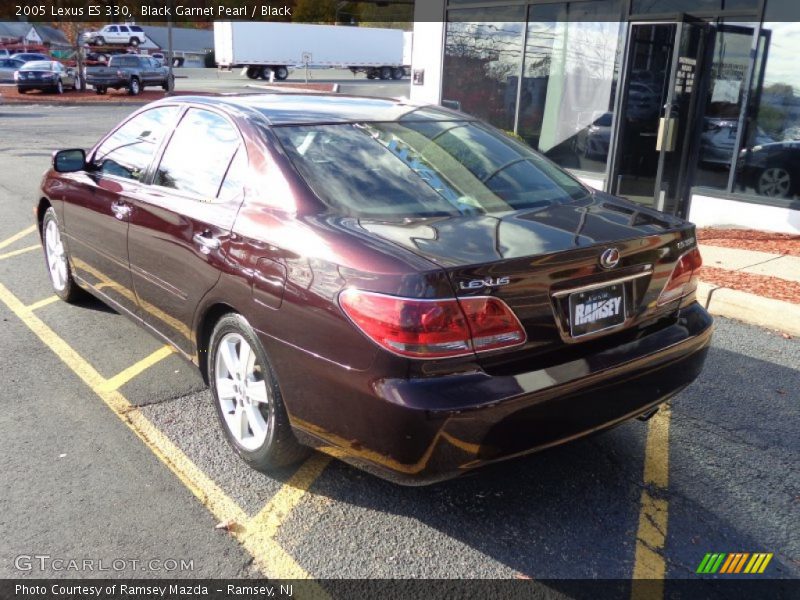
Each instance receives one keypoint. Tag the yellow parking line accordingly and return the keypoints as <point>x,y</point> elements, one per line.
<point>125,376</point>
<point>649,566</point>
<point>17,236</point>
<point>262,529</point>
<point>18,252</point>
<point>42,303</point>
<point>255,536</point>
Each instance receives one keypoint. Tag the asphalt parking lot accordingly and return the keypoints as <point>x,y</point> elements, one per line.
<point>109,448</point>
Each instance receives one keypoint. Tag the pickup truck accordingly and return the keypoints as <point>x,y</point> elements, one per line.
<point>128,71</point>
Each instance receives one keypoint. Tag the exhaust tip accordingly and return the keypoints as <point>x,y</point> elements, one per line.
<point>648,415</point>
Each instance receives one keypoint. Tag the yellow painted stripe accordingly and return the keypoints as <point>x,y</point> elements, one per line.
<point>21,251</point>
<point>125,376</point>
<point>257,538</point>
<point>17,236</point>
<point>741,562</point>
<point>731,559</point>
<point>651,535</point>
<point>42,303</point>
<point>758,562</point>
<point>765,563</point>
<point>749,566</point>
<point>262,529</point>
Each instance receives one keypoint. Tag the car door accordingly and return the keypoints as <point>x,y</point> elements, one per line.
<point>98,203</point>
<point>181,224</point>
<point>124,36</point>
<point>111,34</point>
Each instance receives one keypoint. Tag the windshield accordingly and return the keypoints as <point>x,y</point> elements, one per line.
<point>423,169</point>
<point>37,66</point>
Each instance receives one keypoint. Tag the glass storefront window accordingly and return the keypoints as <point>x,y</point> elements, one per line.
<point>572,57</point>
<point>482,61</point>
<point>769,162</point>
<point>727,76</point>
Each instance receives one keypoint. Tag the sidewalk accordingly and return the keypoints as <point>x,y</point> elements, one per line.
<point>752,276</point>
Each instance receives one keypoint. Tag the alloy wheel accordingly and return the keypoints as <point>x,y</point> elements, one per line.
<point>242,391</point>
<point>775,182</point>
<point>56,257</point>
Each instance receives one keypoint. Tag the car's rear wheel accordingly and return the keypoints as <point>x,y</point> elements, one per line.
<point>134,42</point>
<point>775,182</point>
<point>99,41</point>
<point>56,258</point>
<point>247,398</point>
<point>169,84</point>
<point>100,90</point>
<point>134,87</point>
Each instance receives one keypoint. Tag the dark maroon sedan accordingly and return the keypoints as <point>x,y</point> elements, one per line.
<point>403,287</point>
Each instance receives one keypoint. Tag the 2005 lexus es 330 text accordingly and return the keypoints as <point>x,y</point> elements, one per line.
<point>402,286</point>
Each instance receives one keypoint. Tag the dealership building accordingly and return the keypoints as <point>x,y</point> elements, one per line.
<point>688,106</point>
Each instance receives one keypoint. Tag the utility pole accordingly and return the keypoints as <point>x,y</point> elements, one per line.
<point>171,76</point>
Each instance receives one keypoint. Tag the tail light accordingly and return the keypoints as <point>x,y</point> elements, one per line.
<point>441,328</point>
<point>683,280</point>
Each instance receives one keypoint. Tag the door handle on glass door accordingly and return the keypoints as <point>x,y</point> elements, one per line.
<point>206,242</point>
<point>121,211</point>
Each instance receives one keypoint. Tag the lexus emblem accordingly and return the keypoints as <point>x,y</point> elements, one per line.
<point>609,258</point>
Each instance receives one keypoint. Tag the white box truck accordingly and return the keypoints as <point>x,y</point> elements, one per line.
<point>264,48</point>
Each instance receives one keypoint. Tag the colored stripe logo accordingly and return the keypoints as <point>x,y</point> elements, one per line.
<point>734,563</point>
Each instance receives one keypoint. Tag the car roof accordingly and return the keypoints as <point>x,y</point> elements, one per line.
<point>308,109</point>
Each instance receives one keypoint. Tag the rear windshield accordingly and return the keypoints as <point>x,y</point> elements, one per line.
<point>37,66</point>
<point>123,61</point>
<point>423,169</point>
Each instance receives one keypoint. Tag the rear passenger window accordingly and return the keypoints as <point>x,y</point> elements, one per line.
<point>130,149</point>
<point>198,154</point>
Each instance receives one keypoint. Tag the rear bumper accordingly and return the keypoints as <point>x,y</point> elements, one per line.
<point>114,83</point>
<point>442,427</point>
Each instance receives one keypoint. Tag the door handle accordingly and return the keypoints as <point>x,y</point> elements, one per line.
<point>121,211</point>
<point>206,242</point>
<point>667,134</point>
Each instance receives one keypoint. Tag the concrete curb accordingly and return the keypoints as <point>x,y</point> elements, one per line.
<point>750,308</point>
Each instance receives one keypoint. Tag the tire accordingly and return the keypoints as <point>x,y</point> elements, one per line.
<point>775,182</point>
<point>134,87</point>
<point>253,72</point>
<point>59,87</point>
<point>56,259</point>
<point>98,91</point>
<point>385,73</point>
<point>281,73</point>
<point>258,431</point>
<point>169,84</point>
<point>22,90</point>
<point>99,41</point>
<point>134,42</point>
<point>398,73</point>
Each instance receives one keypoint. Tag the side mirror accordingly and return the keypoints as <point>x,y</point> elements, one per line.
<point>69,161</point>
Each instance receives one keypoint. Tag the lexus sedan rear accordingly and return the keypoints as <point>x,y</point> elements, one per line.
<point>403,287</point>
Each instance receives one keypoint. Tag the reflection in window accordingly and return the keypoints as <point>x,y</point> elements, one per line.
<point>129,150</point>
<point>571,62</point>
<point>198,154</point>
<point>723,104</point>
<point>233,185</point>
<point>769,162</point>
<point>482,61</point>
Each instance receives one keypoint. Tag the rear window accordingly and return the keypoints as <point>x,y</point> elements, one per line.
<point>423,169</point>
<point>123,61</point>
<point>37,66</point>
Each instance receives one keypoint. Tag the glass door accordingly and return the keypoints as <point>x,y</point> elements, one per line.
<point>657,133</point>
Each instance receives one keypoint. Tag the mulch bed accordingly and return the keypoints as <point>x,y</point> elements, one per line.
<point>761,285</point>
<point>750,239</point>
<point>11,95</point>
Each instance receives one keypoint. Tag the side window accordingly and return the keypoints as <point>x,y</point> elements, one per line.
<point>123,29</point>
<point>112,29</point>
<point>198,154</point>
<point>128,151</point>
<point>233,185</point>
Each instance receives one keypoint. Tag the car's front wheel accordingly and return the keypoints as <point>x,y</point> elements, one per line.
<point>56,258</point>
<point>775,182</point>
<point>247,398</point>
<point>134,87</point>
<point>59,87</point>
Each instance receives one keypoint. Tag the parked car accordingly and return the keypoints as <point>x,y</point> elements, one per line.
<point>130,35</point>
<point>771,169</point>
<point>9,66</point>
<point>29,56</point>
<point>594,141</point>
<point>403,286</point>
<point>128,71</point>
<point>718,139</point>
<point>4,53</point>
<point>46,75</point>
